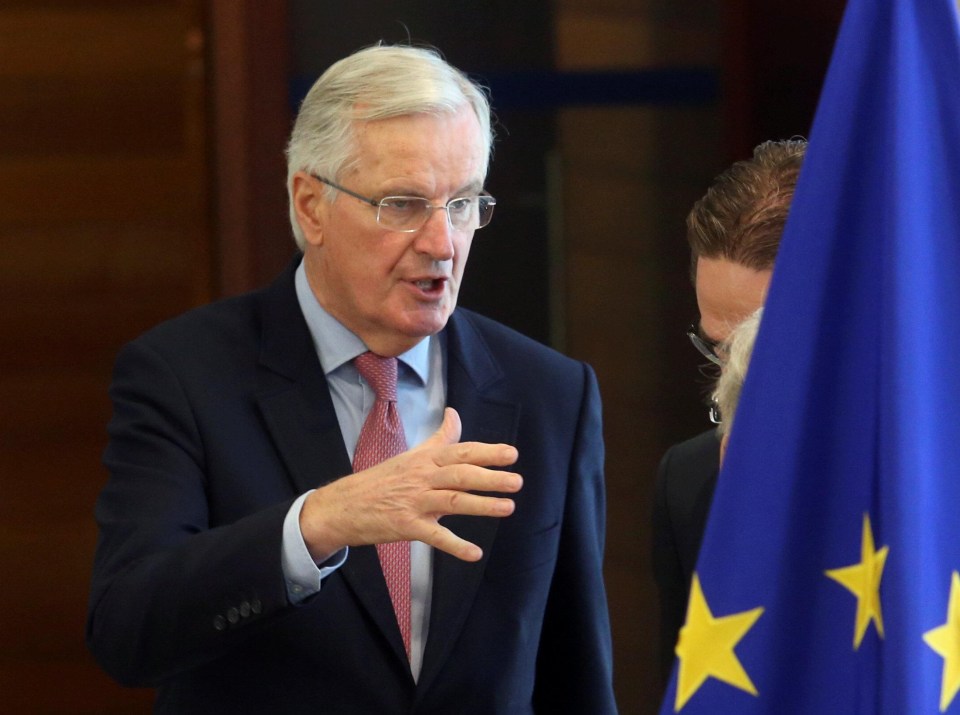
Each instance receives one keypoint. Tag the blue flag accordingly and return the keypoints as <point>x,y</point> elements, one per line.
<point>829,578</point>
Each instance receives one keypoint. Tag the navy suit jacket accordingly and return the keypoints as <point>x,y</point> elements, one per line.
<point>223,416</point>
<point>686,480</point>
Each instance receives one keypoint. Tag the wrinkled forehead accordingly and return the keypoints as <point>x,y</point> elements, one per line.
<point>421,143</point>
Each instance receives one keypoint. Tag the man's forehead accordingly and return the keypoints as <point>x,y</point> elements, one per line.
<point>727,292</point>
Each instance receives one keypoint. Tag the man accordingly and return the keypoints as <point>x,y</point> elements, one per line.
<point>256,554</point>
<point>734,232</point>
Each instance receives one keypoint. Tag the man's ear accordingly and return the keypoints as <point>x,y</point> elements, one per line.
<point>310,207</point>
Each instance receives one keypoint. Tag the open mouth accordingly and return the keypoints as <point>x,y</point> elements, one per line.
<point>430,285</point>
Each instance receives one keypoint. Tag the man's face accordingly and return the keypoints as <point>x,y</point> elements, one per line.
<point>727,292</point>
<point>393,289</point>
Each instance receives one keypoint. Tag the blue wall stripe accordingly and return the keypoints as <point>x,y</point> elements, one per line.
<point>544,90</point>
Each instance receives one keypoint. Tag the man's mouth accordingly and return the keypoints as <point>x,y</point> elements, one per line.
<point>429,284</point>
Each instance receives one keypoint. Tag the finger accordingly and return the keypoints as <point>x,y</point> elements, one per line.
<point>471,478</point>
<point>449,431</point>
<point>478,453</point>
<point>442,502</point>
<point>440,537</point>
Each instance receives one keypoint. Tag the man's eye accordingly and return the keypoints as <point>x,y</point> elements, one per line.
<point>402,205</point>
<point>460,206</point>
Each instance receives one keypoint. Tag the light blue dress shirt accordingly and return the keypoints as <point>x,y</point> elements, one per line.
<point>421,397</point>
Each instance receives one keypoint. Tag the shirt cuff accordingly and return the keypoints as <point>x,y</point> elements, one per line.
<point>301,574</point>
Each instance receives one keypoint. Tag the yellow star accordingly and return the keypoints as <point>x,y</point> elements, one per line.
<point>705,647</point>
<point>945,641</point>
<point>863,581</point>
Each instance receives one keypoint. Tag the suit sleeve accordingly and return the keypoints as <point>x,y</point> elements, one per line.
<point>575,664</point>
<point>170,593</point>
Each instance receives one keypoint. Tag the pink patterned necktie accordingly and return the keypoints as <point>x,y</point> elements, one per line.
<point>381,438</point>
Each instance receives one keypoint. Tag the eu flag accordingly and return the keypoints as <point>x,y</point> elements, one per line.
<point>829,578</point>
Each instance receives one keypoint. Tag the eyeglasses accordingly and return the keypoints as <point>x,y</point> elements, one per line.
<point>707,348</point>
<point>407,214</point>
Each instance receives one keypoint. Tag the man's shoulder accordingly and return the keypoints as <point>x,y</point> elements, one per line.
<point>229,335</point>
<point>503,338</point>
<point>491,350</point>
<point>691,465</point>
<point>704,448</point>
<point>205,324</point>
<point>230,320</point>
<point>685,482</point>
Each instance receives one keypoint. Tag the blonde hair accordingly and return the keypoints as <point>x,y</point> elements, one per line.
<point>374,83</point>
<point>738,348</point>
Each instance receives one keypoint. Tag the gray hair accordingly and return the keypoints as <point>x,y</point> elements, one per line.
<point>374,83</point>
<point>738,348</point>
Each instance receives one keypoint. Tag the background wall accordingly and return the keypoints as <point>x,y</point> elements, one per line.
<point>104,231</point>
<point>141,173</point>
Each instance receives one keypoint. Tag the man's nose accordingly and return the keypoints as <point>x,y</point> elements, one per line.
<point>436,237</point>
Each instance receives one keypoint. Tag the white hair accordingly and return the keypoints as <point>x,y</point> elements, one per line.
<point>374,83</point>
<point>738,348</point>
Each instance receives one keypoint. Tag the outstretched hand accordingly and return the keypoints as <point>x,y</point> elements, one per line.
<point>403,498</point>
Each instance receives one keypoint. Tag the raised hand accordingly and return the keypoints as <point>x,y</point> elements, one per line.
<point>403,498</point>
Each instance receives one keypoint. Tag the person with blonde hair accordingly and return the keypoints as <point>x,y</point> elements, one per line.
<point>737,350</point>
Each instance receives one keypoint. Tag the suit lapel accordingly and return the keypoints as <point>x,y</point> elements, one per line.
<point>294,399</point>
<point>474,387</point>
<point>293,395</point>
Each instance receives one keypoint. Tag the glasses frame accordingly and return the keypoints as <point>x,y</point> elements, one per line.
<point>707,348</point>
<point>378,205</point>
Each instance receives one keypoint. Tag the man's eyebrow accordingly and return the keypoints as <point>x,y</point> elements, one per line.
<point>474,187</point>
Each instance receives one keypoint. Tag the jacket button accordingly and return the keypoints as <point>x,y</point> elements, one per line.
<point>233,615</point>
<point>245,609</point>
<point>219,622</point>
<point>256,606</point>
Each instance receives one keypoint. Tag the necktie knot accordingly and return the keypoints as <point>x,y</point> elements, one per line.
<point>380,373</point>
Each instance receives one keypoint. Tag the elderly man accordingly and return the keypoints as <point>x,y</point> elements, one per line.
<point>341,494</point>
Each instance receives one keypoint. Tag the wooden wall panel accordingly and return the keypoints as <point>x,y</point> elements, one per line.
<point>252,118</point>
<point>625,193</point>
<point>775,54</point>
<point>78,40</point>
<point>104,232</point>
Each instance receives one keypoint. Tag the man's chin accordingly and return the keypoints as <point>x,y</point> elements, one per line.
<point>424,325</point>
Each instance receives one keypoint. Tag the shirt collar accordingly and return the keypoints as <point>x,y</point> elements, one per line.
<point>339,345</point>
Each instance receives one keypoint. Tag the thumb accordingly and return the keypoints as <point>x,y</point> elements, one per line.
<point>449,431</point>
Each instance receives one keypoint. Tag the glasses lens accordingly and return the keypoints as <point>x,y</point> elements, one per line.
<point>463,213</point>
<point>706,348</point>
<point>468,213</point>
<point>403,213</point>
<point>410,213</point>
<point>485,206</point>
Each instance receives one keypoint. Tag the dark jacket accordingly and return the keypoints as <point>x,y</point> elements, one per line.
<point>685,483</point>
<point>223,416</point>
